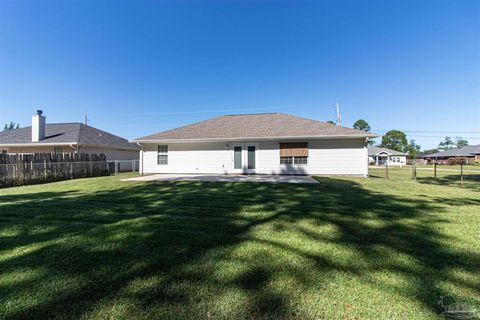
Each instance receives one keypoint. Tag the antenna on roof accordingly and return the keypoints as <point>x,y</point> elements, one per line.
<point>86,119</point>
<point>339,115</point>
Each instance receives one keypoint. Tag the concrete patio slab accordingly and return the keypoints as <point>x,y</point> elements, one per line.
<point>225,178</point>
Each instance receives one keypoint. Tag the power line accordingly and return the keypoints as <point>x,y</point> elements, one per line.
<point>427,131</point>
<point>422,136</point>
<point>182,112</point>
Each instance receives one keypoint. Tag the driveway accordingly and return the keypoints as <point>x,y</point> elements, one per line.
<point>225,178</point>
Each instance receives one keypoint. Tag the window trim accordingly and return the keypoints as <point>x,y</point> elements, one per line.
<point>293,161</point>
<point>163,153</point>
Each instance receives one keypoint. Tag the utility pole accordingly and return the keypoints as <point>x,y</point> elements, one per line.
<point>86,119</point>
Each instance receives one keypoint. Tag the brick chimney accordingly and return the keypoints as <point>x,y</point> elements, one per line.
<point>38,126</point>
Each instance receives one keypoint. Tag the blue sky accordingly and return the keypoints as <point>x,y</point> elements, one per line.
<point>138,67</point>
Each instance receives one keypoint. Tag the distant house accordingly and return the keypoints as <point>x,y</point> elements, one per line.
<point>269,143</point>
<point>65,138</point>
<point>380,156</point>
<point>470,153</point>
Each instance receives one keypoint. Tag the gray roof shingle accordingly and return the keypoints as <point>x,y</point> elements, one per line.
<point>372,150</point>
<point>75,133</point>
<point>263,125</point>
<point>466,151</point>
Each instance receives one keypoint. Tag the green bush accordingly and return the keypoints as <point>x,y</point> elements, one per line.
<point>457,160</point>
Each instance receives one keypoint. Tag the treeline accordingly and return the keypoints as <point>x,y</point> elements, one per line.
<point>397,140</point>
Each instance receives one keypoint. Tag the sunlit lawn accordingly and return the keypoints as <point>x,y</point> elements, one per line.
<point>347,248</point>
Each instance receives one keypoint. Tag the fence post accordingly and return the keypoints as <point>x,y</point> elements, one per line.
<point>116,168</point>
<point>414,172</point>
<point>91,168</point>
<point>461,173</point>
<point>133,165</point>
<point>435,170</point>
<point>386,170</point>
<point>45,169</point>
<point>14,174</point>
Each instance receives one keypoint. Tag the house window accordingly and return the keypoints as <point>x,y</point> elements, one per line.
<point>162,154</point>
<point>294,153</point>
<point>286,160</point>
<point>4,151</point>
<point>57,150</point>
<point>300,160</point>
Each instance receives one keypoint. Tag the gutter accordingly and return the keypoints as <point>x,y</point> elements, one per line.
<point>69,144</point>
<point>260,138</point>
<point>16,145</point>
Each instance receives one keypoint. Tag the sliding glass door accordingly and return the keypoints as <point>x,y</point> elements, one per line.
<point>251,150</point>
<point>237,158</point>
<point>245,158</point>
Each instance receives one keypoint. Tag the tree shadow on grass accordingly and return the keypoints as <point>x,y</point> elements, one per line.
<point>226,250</point>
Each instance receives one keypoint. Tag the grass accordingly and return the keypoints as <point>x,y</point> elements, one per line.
<point>446,175</point>
<point>347,248</point>
<point>450,167</point>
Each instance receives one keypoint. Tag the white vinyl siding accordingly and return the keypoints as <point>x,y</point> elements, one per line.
<point>325,157</point>
<point>113,154</point>
<point>188,158</point>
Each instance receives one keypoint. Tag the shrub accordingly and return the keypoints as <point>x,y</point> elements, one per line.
<point>457,160</point>
<point>476,162</point>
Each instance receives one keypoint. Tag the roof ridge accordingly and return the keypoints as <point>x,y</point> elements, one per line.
<point>249,114</point>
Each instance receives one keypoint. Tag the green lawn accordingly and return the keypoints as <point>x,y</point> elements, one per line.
<point>450,167</point>
<point>347,248</point>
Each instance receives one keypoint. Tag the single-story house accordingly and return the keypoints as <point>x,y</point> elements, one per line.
<point>470,153</point>
<point>66,138</point>
<point>268,143</point>
<point>380,156</point>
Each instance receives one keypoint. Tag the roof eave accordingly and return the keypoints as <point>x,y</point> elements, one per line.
<point>143,140</point>
<point>49,144</point>
<point>37,144</point>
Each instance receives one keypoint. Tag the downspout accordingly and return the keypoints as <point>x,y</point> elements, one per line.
<point>366,158</point>
<point>141,158</point>
<point>75,147</point>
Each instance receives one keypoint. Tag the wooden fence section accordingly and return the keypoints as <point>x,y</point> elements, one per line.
<point>23,169</point>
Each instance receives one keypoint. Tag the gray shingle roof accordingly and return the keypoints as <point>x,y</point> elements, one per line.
<point>75,133</point>
<point>263,125</point>
<point>376,150</point>
<point>466,151</point>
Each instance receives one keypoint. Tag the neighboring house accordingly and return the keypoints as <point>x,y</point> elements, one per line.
<point>269,143</point>
<point>470,153</point>
<point>381,156</point>
<point>65,138</point>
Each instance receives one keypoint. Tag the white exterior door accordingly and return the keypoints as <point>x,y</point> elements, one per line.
<point>245,158</point>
